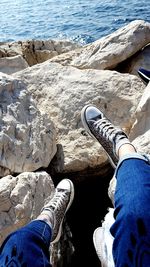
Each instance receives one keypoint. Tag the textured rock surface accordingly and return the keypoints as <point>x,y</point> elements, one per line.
<point>36,51</point>
<point>11,65</point>
<point>109,51</point>
<point>27,138</point>
<point>140,132</point>
<point>21,199</point>
<point>142,143</point>
<point>62,92</point>
<point>142,115</point>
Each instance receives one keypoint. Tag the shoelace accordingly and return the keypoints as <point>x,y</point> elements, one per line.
<point>106,128</point>
<point>58,200</point>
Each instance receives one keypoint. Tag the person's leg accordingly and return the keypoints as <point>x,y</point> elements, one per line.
<point>29,246</point>
<point>131,228</point>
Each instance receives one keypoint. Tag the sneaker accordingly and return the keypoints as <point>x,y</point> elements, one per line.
<point>101,248</point>
<point>144,74</point>
<point>98,126</point>
<point>103,241</point>
<point>59,205</point>
<point>98,244</point>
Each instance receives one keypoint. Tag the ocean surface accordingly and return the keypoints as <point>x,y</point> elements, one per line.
<point>80,20</point>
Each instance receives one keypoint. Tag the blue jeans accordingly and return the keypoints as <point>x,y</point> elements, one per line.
<point>27,247</point>
<point>131,230</point>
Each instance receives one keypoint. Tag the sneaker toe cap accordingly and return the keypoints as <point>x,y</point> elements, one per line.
<point>92,112</point>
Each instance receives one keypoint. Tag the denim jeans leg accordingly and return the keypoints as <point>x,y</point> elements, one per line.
<point>131,230</point>
<point>28,246</point>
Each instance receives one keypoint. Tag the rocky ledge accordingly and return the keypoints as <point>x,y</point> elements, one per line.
<point>40,106</point>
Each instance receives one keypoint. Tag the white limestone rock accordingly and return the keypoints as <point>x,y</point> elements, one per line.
<point>142,115</point>
<point>22,198</point>
<point>110,50</point>
<point>10,49</point>
<point>142,143</point>
<point>11,65</point>
<point>62,92</point>
<point>27,138</point>
<point>140,131</point>
<point>36,51</point>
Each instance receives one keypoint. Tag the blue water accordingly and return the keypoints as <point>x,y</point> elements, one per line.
<point>80,20</point>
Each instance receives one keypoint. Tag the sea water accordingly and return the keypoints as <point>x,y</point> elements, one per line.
<point>80,20</point>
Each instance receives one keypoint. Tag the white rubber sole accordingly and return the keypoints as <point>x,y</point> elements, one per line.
<point>68,206</point>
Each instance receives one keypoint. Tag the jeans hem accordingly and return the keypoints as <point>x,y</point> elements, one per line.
<point>130,156</point>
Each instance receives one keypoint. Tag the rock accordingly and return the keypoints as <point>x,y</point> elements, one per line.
<point>36,51</point>
<point>140,131</point>
<point>57,163</point>
<point>142,143</point>
<point>109,51</point>
<point>140,59</point>
<point>43,55</point>
<point>22,198</point>
<point>11,65</point>
<point>27,138</point>
<point>11,49</point>
<point>61,92</point>
<point>142,115</point>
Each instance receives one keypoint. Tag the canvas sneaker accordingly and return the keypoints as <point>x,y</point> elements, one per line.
<point>103,241</point>
<point>109,136</point>
<point>59,205</point>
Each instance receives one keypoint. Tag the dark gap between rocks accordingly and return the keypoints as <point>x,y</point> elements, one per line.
<point>86,213</point>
